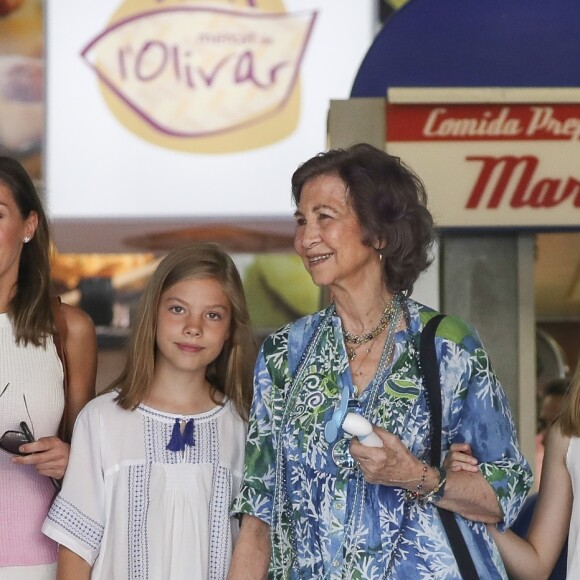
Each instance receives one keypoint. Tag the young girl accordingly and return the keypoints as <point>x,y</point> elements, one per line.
<point>557,511</point>
<point>156,460</point>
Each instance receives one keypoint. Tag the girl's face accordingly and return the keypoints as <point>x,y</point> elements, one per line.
<point>13,229</point>
<point>193,323</point>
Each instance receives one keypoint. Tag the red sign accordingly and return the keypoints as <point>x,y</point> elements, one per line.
<point>483,122</point>
<point>499,163</point>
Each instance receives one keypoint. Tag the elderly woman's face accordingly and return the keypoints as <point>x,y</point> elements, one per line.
<point>328,236</point>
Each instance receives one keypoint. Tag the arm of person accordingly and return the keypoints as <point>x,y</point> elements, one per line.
<point>471,496</point>
<point>474,409</point>
<point>78,516</point>
<point>50,455</point>
<point>468,494</point>
<point>71,566</point>
<point>251,556</point>
<point>254,502</point>
<point>536,556</point>
<point>81,347</point>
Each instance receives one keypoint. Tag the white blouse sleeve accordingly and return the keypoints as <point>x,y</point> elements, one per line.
<point>77,516</point>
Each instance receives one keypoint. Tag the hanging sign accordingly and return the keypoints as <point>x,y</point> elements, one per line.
<point>181,72</point>
<point>491,157</point>
<point>191,109</point>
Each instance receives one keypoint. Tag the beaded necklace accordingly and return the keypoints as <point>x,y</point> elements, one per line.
<point>361,484</point>
<point>357,340</point>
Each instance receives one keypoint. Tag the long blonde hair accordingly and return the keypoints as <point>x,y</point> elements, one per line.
<point>232,371</point>
<point>570,415</point>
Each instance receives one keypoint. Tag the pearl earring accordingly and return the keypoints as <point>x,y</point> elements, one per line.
<point>26,239</point>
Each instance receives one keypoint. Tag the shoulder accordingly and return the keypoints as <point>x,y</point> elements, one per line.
<point>103,404</point>
<point>231,414</point>
<point>450,329</point>
<point>296,331</point>
<point>100,416</point>
<point>78,322</point>
<point>457,330</point>
<point>290,342</point>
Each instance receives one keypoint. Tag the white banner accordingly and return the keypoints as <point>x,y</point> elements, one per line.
<point>170,109</point>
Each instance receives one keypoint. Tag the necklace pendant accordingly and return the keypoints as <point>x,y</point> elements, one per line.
<point>351,354</point>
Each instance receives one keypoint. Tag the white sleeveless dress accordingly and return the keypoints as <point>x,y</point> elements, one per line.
<point>31,390</point>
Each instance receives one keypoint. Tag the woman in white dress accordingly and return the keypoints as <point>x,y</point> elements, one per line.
<point>31,379</point>
<point>156,461</point>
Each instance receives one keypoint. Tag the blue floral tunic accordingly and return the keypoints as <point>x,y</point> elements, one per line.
<point>326,522</point>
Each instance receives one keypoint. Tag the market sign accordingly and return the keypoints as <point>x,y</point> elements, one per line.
<point>186,110</point>
<point>189,71</point>
<point>491,157</point>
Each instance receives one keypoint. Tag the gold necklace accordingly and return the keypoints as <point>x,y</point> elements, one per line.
<point>357,340</point>
<point>362,362</point>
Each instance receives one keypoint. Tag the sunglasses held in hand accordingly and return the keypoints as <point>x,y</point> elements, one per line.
<point>12,440</point>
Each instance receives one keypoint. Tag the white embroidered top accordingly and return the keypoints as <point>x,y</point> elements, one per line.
<point>135,510</point>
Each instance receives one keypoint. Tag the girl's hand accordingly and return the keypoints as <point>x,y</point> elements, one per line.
<point>49,455</point>
<point>460,458</point>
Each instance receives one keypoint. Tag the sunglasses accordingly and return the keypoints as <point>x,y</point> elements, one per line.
<point>12,440</point>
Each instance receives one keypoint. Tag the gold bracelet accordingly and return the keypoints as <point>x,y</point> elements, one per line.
<point>432,496</point>
<point>437,492</point>
<point>418,491</point>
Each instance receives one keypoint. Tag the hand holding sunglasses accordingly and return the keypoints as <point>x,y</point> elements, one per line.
<point>11,442</point>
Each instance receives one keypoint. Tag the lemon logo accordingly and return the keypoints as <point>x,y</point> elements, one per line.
<point>204,77</point>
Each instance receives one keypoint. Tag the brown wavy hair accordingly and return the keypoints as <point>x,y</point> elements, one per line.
<point>390,202</point>
<point>232,372</point>
<point>29,309</point>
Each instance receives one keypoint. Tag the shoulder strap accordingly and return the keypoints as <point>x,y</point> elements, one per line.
<point>430,369</point>
<point>59,336</point>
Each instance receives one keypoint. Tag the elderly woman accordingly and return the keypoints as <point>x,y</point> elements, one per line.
<point>317,503</point>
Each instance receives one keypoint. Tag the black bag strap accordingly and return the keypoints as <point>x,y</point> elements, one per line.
<point>430,369</point>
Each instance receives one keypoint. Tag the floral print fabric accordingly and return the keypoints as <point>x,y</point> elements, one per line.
<point>332,526</point>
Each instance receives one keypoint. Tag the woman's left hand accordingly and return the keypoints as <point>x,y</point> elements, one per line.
<point>49,455</point>
<point>468,494</point>
<point>392,464</point>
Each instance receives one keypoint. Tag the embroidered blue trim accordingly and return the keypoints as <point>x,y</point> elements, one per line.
<point>76,523</point>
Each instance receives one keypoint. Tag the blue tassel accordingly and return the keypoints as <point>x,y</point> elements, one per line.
<point>178,440</point>
<point>188,433</point>
<point>175,443</point>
